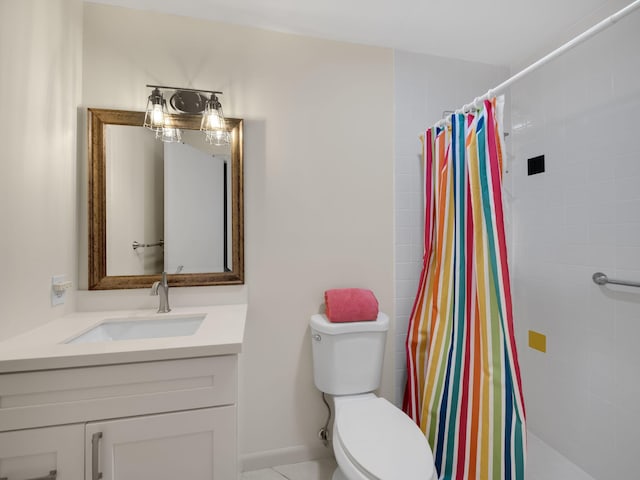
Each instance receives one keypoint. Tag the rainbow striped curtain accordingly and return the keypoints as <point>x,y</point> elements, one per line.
<point>463,383</point>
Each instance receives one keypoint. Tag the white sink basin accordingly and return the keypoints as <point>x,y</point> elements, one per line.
<point>137,328</point>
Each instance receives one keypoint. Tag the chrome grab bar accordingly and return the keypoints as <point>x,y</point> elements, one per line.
<point>600,278</point>
<point>136,245</point>
<point>53,474</point>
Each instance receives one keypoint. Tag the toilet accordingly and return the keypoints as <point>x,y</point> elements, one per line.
<point>372,439</point>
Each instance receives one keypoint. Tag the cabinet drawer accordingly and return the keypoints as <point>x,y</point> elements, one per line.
<point>57,397</point>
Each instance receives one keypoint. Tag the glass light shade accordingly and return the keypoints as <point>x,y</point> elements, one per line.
<point>213,124</point>
<point>212,120</point>
<point>169,132</point>
<point>218,137</point>
<point>212,117</point>
<point>156,113</point>
<point>170,135</point>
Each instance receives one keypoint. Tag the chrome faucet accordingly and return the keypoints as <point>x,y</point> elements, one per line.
<point>161,288</point>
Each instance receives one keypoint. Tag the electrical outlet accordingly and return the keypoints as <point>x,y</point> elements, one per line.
<point>57,294</point>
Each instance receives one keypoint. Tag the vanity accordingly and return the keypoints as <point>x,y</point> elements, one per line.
<point>125,395</point>
<point>136,395</point>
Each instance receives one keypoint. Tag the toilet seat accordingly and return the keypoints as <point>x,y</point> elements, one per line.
<point>381,442</point>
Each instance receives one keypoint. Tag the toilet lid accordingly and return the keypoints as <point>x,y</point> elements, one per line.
<point>382,441</point>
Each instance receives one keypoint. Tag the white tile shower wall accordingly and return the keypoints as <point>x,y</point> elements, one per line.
<point>580,216</point>
<point>425,86</point>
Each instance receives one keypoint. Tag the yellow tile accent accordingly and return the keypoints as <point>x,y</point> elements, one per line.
<point>538,341</point>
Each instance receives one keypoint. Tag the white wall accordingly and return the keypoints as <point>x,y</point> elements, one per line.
<point>425,86</point>
<point>135,201</point>
<point>579,217</point>
<point>318,190</point>
<point>40,66</point>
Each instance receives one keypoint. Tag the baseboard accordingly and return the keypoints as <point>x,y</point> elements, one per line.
<point>282,456</point>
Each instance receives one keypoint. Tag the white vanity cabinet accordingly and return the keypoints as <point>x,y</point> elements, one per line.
<point>194,445</point>
<point>160,420</point>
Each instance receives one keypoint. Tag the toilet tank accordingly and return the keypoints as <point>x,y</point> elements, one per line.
<point>347,357</point>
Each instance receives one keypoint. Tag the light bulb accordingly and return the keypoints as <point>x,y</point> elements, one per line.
<point>213,120</point>
<point>157,115</point>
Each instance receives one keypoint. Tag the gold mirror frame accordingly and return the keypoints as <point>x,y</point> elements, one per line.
<point>98,119</point>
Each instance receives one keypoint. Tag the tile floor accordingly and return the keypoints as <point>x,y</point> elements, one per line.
<point>544,463</point>
<point>316,470</point>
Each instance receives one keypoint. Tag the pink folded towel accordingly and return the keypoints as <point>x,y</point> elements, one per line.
<point>350,305</point>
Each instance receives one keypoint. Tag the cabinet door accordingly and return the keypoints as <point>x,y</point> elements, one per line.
<point>193,445</point>
<point>35,452</point>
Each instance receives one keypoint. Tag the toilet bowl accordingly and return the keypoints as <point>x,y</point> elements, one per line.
<point>372,439</point>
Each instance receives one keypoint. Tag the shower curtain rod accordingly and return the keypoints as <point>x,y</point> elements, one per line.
<point>597,28</point>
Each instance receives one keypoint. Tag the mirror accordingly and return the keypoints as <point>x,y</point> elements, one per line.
<point>157,206</point>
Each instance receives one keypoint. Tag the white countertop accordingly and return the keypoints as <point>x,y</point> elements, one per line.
<point>43,348</point>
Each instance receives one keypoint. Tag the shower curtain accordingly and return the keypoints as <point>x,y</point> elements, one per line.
<point>463,382</point>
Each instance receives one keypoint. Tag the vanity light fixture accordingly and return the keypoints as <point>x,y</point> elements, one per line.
<point>156,111</point>
<point>213,124</point>
<point>185,101</point>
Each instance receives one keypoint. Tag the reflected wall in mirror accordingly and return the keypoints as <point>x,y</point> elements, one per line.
<point>154,206</point>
